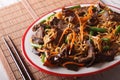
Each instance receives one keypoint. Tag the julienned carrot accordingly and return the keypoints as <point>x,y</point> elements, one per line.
<point>90,10</point>
<point>111,35</point>
<point>73,38</point>
<point>62,35</point>
<point>90,13</point>
<point>83,20</point>
<point>54,52</point>
<point>81,26</point>
<point>79,64</point>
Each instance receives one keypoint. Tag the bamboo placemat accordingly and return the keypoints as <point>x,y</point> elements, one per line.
<point>15,19</point>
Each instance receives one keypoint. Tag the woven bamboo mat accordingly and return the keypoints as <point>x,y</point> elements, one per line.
<point>15,19</point>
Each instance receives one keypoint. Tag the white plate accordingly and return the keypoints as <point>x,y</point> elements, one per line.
<point>113,3</point>
<point>36,62</point>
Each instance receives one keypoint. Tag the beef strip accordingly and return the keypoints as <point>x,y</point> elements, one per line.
<point>37,38</point>
<point>54,21</point>
<point>90,58</point>
<point>37,26</point>
<point>107,55</point>
<point>115,16</point>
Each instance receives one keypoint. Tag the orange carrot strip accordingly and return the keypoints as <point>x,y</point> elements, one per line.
<point>90,12</point>
<point>54,52</point>
<point>74,63</point>
<point>73,39</point>
<point>83,22</point>
<point>62,35</point>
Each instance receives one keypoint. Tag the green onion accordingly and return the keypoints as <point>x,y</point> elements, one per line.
<point>105,40</point>
<point>66,41</point>
<point>51,16</point>
<point>95,29</point>
<point>36,45</point>
<point>91,33</point>
<point>42,21</point>
<point>47,27</point>
<point>101,11</point>
<point>117,29</point>
<point>73,7</point>
<point>43,57</point>
<point>106,48</point>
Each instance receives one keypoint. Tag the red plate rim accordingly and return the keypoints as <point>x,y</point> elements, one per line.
<point>53,73</point>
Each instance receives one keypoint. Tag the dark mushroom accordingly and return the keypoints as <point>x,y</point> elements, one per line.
<point>59,59</point>
<point>55,60</point>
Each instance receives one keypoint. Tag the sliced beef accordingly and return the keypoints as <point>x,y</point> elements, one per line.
<point>114,48</point>
<point>61,25</point>
<point>107,55</point>
<point>115,16</point>
<point>37,38</point>
<point>37,26</point>
<point>59,33</point>
<point>54,21</point>
<point>67,12</point>
<point>71,66</point>
<point>60,58</point>
<point>101,5</point>
<point>70,15</point>
<point>105,16</point>
<point>90,58</point>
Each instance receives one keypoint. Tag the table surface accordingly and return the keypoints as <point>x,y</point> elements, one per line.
<point>16,18</point>
<point>4,75</point>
